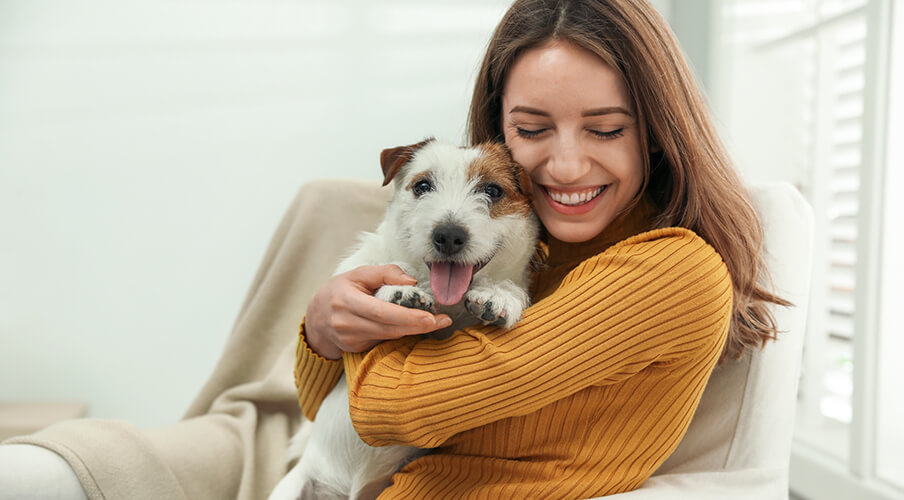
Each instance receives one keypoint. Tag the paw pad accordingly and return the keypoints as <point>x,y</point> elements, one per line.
<point>412,298</point>
<point>486,311</point>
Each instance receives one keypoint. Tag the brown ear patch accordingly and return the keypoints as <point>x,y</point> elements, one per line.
<point>393,159</point>
<point>495,164</point>
<point>524,183</point>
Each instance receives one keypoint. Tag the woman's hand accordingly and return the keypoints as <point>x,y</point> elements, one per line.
<point>344,315</point>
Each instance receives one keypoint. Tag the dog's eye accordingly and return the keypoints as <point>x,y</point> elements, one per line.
<point>493,191</point>
<point>422,186</point>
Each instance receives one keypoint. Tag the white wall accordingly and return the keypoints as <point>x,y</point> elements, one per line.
<point>149,148</point>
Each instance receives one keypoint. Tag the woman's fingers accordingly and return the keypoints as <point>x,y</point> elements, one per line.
<point>345,316</point>
<point>385,320</point>
<point>358,334</point>
<point>382,319</point>
<point>371,278</point>
<point>386,313</point>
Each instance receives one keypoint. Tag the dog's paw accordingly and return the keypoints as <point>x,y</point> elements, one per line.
<point>494,306</point>
<point>408,296</point>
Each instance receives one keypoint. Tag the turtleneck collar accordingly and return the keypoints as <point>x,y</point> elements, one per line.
<point>638,220</point>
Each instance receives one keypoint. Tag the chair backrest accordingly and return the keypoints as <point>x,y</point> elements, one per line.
<point>746,417</point>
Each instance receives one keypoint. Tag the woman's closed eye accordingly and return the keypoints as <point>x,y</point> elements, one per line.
<point>611,134</point>
<point>529,133</point>
<point>602,134</point>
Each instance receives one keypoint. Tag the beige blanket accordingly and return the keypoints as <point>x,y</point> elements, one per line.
<point>232,440</point>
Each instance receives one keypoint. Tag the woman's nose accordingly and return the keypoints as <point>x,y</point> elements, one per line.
<point>568,163</point>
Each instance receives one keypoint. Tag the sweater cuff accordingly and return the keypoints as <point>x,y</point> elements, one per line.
<point>315,376</point>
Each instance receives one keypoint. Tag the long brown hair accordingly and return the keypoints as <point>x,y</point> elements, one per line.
<point>690,176</point>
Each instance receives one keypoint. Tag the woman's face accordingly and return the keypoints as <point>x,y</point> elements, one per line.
<point>568,120</point>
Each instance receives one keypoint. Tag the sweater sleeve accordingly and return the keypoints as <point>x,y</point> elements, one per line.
<point>315,376</point>
<point>659,297</point>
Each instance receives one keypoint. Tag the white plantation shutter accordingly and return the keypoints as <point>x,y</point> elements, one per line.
<point>813,121</point>
<point>846,144</point>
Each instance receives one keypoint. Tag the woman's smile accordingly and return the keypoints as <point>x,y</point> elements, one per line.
<point>573,201</point>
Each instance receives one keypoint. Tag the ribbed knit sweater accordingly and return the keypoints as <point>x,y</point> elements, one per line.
<point>586,396</point>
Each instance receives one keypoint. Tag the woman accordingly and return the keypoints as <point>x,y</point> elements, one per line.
<point>653,255</point>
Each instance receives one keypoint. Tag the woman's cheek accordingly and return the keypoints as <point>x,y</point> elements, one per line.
<point>526,155</point>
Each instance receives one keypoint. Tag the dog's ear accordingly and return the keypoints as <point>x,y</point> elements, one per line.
<point>392,160</point>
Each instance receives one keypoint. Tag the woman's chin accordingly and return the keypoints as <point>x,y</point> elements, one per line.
<point>574,232</point>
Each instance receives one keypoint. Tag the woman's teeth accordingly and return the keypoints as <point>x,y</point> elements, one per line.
<point>574,199</point>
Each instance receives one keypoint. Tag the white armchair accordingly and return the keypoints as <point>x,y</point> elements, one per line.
<point>739,443</point>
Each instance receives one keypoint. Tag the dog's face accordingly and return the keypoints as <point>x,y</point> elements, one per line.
<point>461,211</point>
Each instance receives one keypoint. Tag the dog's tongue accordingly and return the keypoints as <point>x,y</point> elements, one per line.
<point>449,281</point>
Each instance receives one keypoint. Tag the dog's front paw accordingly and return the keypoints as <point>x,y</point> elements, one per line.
<point>494,306</point>
<point>408,296</point>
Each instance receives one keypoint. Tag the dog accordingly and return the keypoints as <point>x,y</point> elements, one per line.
<point>461,223</point>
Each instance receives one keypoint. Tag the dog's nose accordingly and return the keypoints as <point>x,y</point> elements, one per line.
<point>449,239</point>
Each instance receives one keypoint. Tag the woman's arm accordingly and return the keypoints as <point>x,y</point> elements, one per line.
<point>658,297</point>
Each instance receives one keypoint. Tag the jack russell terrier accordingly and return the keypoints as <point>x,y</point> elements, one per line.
<point>461,223</point>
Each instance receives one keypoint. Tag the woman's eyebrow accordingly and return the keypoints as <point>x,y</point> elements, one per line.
<point>528,110</point>
<point>606,111</point>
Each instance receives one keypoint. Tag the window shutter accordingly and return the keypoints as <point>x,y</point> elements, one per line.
<point>847,123</point>
<point>819,47</point>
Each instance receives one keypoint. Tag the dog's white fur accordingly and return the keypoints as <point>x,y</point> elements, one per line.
<point>335,462</point>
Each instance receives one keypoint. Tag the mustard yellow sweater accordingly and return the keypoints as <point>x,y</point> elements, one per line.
<point>586,396</point>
